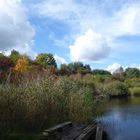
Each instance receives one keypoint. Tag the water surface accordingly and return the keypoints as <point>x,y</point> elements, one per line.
<point>121,118</point>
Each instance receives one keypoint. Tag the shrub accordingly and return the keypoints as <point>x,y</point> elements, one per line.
<point>135,91</point>
<point>116,89</point>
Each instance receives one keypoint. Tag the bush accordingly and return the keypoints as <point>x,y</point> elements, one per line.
<point>116,89</point>
<point>132,82</point>
<point>135,91</point>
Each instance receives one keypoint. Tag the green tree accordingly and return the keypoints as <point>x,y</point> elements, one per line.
<point>63,69</point>
<point>45,59</point>
<point>15,55</point>
<point>119,74</point>
<point>2,55</point>
<point>100,72</point>
<point>132,72</point>
<point>74,68</point>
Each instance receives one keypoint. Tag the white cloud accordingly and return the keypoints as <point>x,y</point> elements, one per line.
<point>110,19</point>
<point>112,68</point>
<point>90,14</point>
<point>59,9</point>
<point>16,31</point>
<point>135,66</point>
<point>89,47</point>
<point>60,60</point>
<point>126,21</point>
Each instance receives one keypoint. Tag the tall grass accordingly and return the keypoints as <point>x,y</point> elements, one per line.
<point>35,105</point>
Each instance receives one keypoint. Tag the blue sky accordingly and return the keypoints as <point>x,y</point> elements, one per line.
<point>102,33</point>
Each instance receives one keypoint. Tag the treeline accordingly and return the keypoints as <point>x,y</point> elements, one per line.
<point>16,64</point>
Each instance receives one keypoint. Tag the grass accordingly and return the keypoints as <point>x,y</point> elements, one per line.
<point>35,105</point>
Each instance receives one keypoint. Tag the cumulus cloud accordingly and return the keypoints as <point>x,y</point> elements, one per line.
<point>60,60</point>
<point>89,47</point>
<point>16,31</point>
<point>112,68</point>
<point>125,21</point>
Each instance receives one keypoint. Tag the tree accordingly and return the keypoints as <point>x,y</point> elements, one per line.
<point>45,60</point>
<point>132,72</point>
<point>63,69</point>
<point>100,72</point>
<point>15,55</point>
<point>87,67</point>
<point>22,65</point>
<point>5,64</point>
<point>76,67</point>
<point>119,74</point>
<point>2,55</point>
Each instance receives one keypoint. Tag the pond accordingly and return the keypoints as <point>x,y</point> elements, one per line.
<point>120,118</point>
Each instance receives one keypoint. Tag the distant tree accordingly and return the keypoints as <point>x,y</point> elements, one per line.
<point>22,65</point>
<point>2,55</point>
<point>119,70</point>
<point>63,69</point>
<point>101,72</point>
<point>76,67</point>
<point>15,55</point>
<point>45,59</point>
<point>119,74</point>
<point>132,72</point>
<point>87,67</point>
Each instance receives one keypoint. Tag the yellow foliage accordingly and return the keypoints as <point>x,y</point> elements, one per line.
<point>22,65</point>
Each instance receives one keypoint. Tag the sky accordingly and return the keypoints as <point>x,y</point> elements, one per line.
<point>102,33</point>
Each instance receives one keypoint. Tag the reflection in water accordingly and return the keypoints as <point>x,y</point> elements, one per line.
<point>121,119</point>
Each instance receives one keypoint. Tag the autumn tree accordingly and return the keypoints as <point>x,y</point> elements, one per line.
<point>45,60</point>
<point>5,64</point>
<point>22,65</point>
